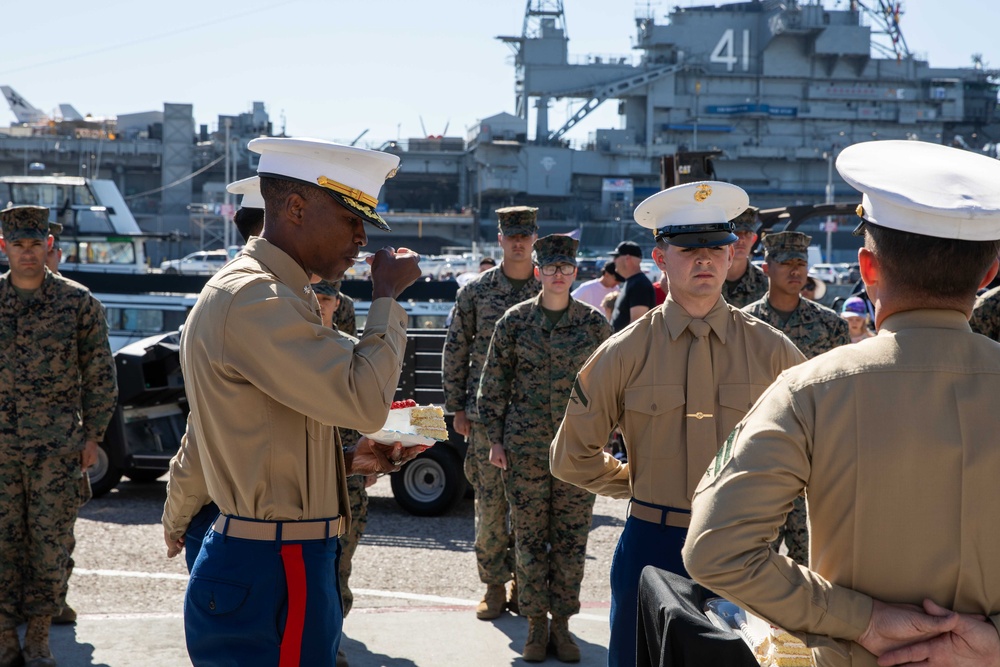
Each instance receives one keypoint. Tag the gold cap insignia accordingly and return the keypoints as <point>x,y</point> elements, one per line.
<point>391,173</point>
<point>702,192</point>
<point>860,210</point>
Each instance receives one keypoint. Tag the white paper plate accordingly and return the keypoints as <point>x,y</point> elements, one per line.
<point>387,437</point>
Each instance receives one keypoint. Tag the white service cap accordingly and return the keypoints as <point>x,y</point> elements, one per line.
<point>924,188</point>
<point>249,191</point>
<point>353,176</point>
<point>694,215</point>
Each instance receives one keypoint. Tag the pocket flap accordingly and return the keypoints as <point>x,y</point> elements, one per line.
<point>739,396</point>
<point>654,400</point>
<point>217,597</point>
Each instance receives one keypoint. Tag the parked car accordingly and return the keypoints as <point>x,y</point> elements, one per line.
<point>203,261</point>
<point>833,274</point>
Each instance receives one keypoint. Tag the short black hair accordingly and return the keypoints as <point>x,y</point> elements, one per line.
<point>930,267</point>
<point>249,222</point>
<point>275,190</point>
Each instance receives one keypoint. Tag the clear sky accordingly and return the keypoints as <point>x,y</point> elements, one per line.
<point>335,68</point>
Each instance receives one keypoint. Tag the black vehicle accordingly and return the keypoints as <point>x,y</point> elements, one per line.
<point>146,429</point>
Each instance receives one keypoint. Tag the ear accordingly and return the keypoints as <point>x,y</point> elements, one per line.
<point>766,269</point>
<point>499,238</point>
<point>3,244</point>
<point>659,258</point>
<point>49,241</point>
<point>538,275</point>
<point>295,207</point>
<point>869,266</point>
<point>732,252</point>
<point>753,239</point>
<point>990,274</point>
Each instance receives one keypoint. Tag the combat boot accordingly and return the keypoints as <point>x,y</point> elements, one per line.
<point>491,606</point>
<point>538,639</point>
<point>562,640</point>
<point>10,649</point>
<point>36,643</point>
<point>512,604</point>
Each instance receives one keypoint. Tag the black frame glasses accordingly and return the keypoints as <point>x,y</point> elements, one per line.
<point>551,269</point>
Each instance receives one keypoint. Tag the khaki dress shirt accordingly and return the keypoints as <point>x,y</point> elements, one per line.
<point>895,441</point>
<point>266,382</point>
<point>637,379</point>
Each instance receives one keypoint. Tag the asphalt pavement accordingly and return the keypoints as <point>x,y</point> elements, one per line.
<point>415,586</point>
<point>384,637</point>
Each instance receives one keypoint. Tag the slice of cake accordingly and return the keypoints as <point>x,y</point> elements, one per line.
<point>421,422</point>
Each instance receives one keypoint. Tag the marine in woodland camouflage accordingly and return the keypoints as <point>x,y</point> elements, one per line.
<point>529,372</point>
<point>813,328</point>
<point>478,306</point>
<point>752,285</point>
<point>57,382</point>
<point>526,382</point>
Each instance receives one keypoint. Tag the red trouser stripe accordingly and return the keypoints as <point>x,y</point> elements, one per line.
<point>295,579</point>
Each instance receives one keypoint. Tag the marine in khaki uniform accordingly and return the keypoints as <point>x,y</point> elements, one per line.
<point>893,440</point>
<point>675,382</point>
<point>267,382</point>
<point>57,396</point>
<point>478,306</point>
<point>986,314</point>
<point>537,348</point>
<point>745,283</point>
<point>813,328</point>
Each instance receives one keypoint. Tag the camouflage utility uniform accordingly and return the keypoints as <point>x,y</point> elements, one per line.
<point>526,383</point>
<point>57,391</point>
<point>478,306</point>
<point>986,314</point>
<point>344,320</point>
<point>752,285</point>
<point>814,329</point>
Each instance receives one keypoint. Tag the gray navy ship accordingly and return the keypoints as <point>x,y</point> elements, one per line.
<point>773,89</point>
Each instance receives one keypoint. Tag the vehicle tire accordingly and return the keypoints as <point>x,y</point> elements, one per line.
<point>104,475</point>
<point>143,476</point>
<point>430,484</point>
<point>171,270</point>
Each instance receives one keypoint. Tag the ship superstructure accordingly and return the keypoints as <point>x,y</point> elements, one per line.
<point>778,87</point>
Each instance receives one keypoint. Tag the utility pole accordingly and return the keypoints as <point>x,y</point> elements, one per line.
<point>228,197</point>
<point>829,200</point>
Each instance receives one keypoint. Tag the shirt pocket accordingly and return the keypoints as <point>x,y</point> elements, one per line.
<point>647,414</point>
<point>735,400</point>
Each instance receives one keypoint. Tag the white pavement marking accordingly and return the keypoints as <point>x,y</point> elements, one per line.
<point>416,597</point>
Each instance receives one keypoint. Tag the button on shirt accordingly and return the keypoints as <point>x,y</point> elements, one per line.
<point>895,441</point>
<point>267,381</point>
<point>637,380</point>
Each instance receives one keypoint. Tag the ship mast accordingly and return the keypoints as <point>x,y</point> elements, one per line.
<point>885,15</point>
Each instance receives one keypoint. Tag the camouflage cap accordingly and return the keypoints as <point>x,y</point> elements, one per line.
<point>556,249</point>
<point>515,220</point>
<point>55,229</point>
<point>25,222</point>
<point>747,220</point>
<point>783,246</point>
<point>327,287</point>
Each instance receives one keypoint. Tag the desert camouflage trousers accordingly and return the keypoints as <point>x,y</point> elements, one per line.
<point>494,540</point>
<point>551,524</point>
<point>349,540</point>
<point>39,499</point>
<point>795,533</point>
